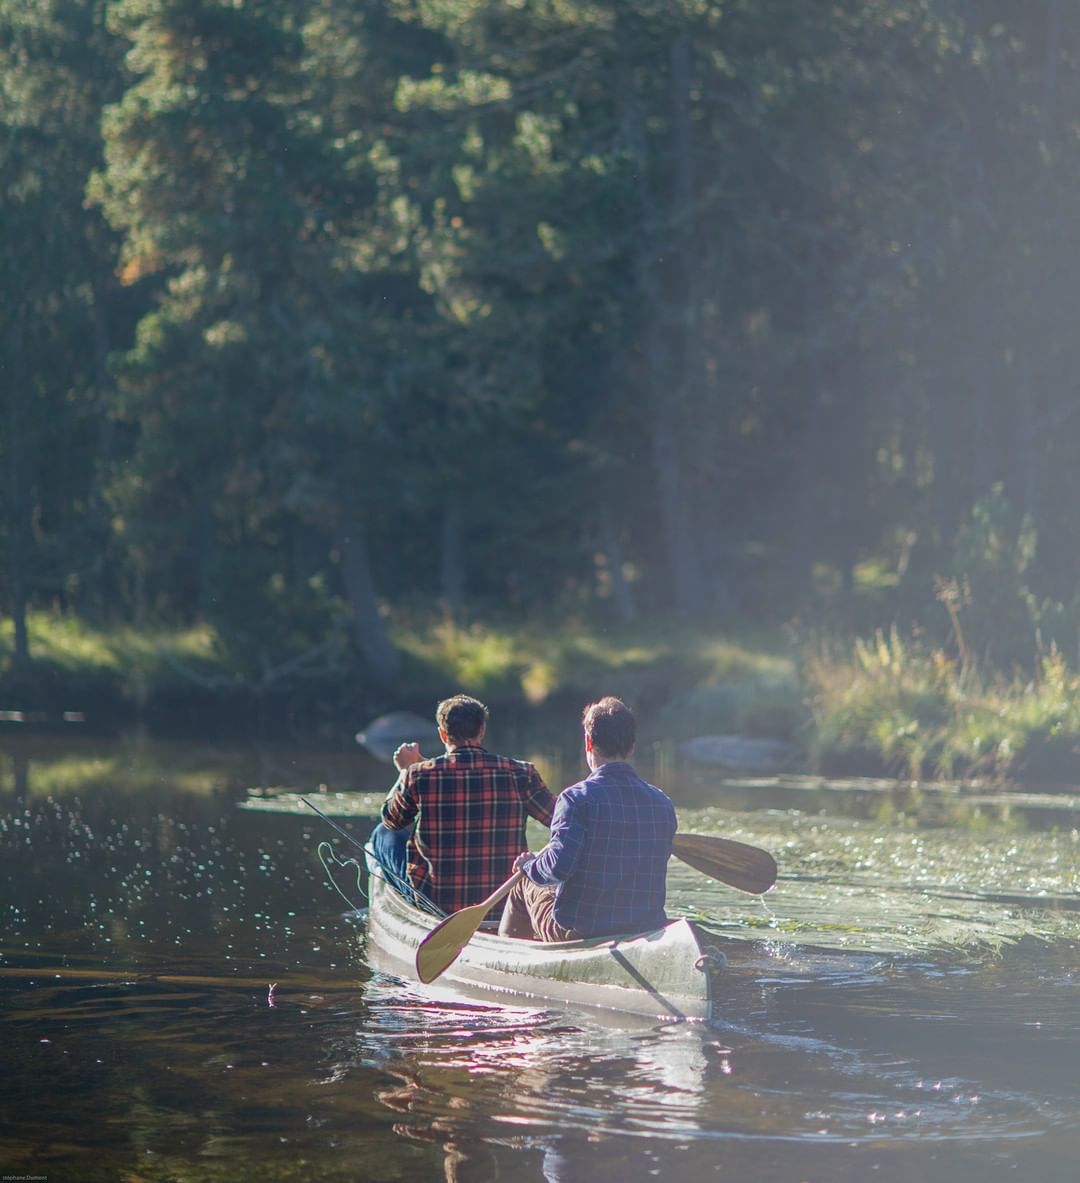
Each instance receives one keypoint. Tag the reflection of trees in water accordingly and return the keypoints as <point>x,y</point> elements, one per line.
<point>468,1159</point>
<point>470,1150</point>
<point>470,1156</point>
<point>160,867</point>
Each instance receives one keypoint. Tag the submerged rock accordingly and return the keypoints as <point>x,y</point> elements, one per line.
<point>382,735</point>
<point>739,752</point>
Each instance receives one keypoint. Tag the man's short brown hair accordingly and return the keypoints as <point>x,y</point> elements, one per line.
<point>611,726</point>
<point>461,717</point>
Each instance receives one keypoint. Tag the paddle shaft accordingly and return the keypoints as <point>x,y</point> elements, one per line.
<point>500,893</point>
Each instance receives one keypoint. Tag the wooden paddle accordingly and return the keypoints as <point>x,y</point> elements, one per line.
<point>440,948</point>
<point>739,865</point>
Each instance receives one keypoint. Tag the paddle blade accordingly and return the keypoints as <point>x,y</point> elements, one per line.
<point>441,947</point>
<point>739,865</point>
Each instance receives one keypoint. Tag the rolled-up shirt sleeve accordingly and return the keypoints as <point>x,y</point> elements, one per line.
<point>400,807</point>
<point>558,860</point>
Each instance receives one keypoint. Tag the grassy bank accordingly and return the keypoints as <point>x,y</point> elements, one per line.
<point>872,706</point>
<point>76,668</point>
<point>912,710</point>
<point>686,682</point>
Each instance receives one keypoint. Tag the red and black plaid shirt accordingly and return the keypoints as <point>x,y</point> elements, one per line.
<point>469,807</point>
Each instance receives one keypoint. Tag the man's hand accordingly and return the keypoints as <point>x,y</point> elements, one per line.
<point>406,755</point>
<point>523,860</point>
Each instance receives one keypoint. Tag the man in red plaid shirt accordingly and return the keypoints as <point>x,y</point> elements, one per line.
<point>466,808</point>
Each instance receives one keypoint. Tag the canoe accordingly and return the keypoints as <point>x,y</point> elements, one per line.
<point>666,974</point>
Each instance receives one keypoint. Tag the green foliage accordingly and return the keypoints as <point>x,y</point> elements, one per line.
<point>316,315</point>
<point>57,69</point>
<point>992,563</point>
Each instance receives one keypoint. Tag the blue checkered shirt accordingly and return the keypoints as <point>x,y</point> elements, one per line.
<point>607,857</point>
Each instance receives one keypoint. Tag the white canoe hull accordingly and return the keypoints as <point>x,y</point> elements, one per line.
<point>665,974</point>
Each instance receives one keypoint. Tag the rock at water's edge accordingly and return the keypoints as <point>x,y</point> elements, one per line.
<point>382,735</point>
<point>739,752</point>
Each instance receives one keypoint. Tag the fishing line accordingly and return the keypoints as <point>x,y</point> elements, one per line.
<point>325,850</point>
<point>405,888</point>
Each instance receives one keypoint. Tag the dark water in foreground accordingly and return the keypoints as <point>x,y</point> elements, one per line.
<point>906,1007</point>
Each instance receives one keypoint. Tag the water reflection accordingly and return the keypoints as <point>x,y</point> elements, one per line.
<point>830,1056</point>
<point>537,1078</point>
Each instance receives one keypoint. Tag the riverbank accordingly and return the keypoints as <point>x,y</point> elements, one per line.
<point>877,706</point>
<point>686,682</point>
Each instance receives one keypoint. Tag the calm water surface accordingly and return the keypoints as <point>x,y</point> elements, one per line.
<point>904,1006</point>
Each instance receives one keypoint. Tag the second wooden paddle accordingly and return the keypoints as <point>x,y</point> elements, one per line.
<point>739,865</point>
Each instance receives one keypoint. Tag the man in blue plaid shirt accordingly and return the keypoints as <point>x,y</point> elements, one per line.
<point>604,870</point>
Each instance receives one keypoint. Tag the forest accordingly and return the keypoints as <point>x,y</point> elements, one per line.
<point>326,322</point>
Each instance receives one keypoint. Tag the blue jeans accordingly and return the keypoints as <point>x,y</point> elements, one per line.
<point>390,848</point>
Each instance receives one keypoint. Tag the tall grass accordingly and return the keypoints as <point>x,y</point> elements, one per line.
<point>919,712</point>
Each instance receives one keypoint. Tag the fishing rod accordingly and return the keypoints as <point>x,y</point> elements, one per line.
<point>330,822</point>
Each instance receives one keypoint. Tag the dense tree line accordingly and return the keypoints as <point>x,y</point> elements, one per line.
<point>315,310</point>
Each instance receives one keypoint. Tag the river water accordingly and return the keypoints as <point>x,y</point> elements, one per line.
<point>904,1006</point>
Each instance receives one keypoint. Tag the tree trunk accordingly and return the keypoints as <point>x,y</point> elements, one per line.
<point>664,396</point>
<point>20,766</point>
<point>139,679</point>
<point>690,366</point>
<point>1050,69</point>
<point>369,628</point>
<point>205,551</point>
<point>684,570</point>
<point>1025,448</point>
<point>20,505</point>
<point>98,592</point>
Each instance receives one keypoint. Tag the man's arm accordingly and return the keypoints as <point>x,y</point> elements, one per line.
<point>558,860</point>
<point>401,807</point>
<point>539,802</point>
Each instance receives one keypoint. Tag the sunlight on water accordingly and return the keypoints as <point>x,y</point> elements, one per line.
<point>201,1001</point>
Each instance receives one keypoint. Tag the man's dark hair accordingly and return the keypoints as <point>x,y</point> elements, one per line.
<point>461,717</point>
<point>611,726</point>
